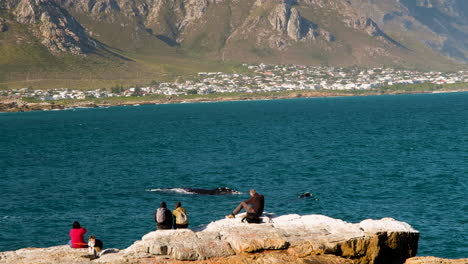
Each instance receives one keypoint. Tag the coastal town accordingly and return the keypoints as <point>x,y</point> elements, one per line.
<point>256,78</point>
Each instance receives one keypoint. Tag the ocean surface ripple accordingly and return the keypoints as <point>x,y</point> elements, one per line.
<point>403,156</point>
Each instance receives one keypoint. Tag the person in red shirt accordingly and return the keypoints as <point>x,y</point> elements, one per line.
<point>77,236</point>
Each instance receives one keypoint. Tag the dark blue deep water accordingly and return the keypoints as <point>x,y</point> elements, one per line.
<point>403,156</point>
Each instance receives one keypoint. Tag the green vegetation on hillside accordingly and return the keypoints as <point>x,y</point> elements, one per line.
<point>158,49</point>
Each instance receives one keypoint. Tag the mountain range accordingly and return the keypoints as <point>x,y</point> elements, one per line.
<point>160,39</point>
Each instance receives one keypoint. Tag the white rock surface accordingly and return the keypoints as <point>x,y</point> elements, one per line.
<point>310,233</point>
<point>291,238</point>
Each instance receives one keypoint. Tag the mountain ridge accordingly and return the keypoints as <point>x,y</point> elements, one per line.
<point>151,35</point>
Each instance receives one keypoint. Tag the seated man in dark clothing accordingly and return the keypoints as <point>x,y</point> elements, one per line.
<point>253,206</point>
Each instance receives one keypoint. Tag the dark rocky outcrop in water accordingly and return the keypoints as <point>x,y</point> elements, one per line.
<point>20,106</point>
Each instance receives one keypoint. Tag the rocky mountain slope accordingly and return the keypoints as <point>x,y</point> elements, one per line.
<point>429,34</point>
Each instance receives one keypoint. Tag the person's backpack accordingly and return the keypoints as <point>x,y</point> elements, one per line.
<point>161,215</point>
<point>251,219</point>
<point>182,219</point>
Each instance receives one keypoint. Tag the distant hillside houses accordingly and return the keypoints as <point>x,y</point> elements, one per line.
<point>261,78</point>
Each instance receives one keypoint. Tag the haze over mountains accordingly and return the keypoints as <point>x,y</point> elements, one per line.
<point>159,35</point>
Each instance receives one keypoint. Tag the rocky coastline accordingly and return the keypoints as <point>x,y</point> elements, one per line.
<point>278,239</point>
<point>22,106</point>
<point>290,238</point>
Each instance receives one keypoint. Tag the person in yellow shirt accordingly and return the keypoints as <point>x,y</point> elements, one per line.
<point>180,217</point>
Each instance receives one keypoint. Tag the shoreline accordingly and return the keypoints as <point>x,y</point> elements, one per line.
<point>12,106</point>
<point>290,238</point>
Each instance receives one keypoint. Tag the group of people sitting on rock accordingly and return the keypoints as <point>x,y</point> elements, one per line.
<point>177,219</point>
<point>165,219</point>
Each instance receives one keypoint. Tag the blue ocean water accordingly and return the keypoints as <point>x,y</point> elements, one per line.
<point>403,156</point>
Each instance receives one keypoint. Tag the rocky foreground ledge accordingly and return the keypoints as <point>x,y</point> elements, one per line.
<point>285,239</point>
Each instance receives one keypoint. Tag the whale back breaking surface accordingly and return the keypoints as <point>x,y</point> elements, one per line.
<point>216,191</point>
